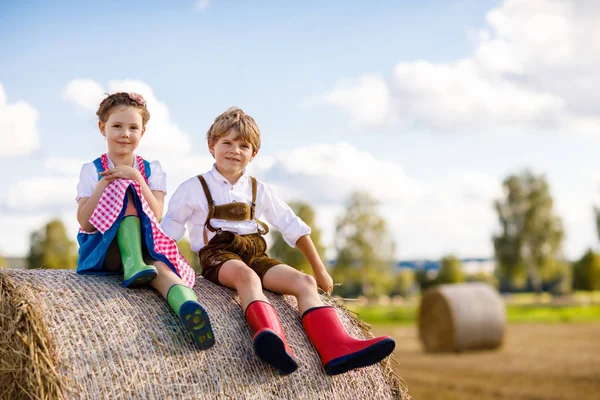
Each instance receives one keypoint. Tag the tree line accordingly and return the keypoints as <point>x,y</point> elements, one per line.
<point>527,248</point>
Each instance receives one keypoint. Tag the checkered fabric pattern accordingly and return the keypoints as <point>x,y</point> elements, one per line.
<point>109,207</point>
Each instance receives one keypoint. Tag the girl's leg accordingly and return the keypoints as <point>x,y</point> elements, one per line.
<point>166,278</point>
<point>184,302</point>
<point>269,340</point>
<point>129,239</point>
<point>286,280</point>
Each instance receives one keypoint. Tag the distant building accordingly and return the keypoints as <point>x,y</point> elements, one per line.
<point>470,266</point>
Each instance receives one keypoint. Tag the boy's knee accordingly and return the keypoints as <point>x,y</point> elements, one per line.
<point>307,283</point>
<point>247,277</point>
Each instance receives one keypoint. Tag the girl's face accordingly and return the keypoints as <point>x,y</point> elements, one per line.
<point>232,155</point>
<point>123,130</point>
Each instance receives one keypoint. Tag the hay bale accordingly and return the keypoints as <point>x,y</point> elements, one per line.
<point>86,337</point>
<point>461,317</point>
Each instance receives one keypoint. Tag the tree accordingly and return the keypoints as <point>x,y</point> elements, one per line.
<point>586,272</point>
<point>292,256</point>
<point>365,249</point>
<point>404,282</point>
<point>482,277</point>
<point>192,257</point>
<point>450,271</point>
<point>532,234</point>
<point>425,279</point>
<point>51,248</point>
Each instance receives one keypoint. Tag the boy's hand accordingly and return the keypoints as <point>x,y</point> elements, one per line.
<point>324,281</point>
<point>121,172</point>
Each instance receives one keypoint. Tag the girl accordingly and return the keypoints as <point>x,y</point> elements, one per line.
<point>223,207</point>
<point>119,197</point>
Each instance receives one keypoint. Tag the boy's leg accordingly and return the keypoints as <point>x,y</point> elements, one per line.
<point>269,339</point>
<point>184,302</point>
<point>339,351</point>
<point>287,280</point>
<point>235,274</point>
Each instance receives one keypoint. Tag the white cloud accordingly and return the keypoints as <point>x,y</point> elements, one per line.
<point>18,127</point>
<point>43,194</point>
<point>202,5</point>
<point>86,93</point>
<point>162,135</point>
<point>427,217</point>
<point>63,166</point>
<point>534,68</point>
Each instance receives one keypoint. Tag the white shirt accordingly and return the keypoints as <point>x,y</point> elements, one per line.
<point>88,178</point>
<point>190,206</point>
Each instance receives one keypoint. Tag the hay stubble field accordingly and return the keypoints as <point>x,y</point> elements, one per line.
<point>536,361</point>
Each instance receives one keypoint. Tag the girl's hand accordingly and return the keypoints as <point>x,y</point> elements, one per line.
<point>324,281</point>
<point>121,172</point>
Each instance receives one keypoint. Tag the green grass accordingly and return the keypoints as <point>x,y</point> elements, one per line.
<point>405,315</point>
<point>548,314</point>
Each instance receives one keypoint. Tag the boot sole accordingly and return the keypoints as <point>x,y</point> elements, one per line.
<point>195,319</point>
<point>141,278</point>
<point>270,348</point>
<point>363,358</point>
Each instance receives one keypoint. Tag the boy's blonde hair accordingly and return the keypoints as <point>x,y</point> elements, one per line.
<point>242,123</point>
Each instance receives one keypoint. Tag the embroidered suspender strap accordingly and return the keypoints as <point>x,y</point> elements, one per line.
<point>259,224</point>
<point>211,209</point>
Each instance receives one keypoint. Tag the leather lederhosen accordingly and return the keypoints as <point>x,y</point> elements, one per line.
<point>226,245</point>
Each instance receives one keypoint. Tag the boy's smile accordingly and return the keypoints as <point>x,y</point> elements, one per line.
<point>232,155</point>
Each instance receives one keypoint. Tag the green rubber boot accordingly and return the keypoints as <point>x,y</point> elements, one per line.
<point>192,315</point>
<point>129,238</point>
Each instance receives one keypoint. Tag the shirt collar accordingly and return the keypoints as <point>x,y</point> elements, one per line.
<point>220,178</point>
<point>111,164</point>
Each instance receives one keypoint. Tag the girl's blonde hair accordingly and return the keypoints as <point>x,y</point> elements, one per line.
<point>123,99</point>
<point>242,123</point>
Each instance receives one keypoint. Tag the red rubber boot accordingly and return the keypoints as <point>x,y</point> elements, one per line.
<point>269,339</point>
<point>339,351</point>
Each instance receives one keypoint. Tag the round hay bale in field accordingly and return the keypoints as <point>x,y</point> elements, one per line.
<point>459,317</point>
<point>87,337</point>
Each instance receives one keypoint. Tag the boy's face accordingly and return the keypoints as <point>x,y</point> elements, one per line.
<point>123,130</point>
<point>232,154</point>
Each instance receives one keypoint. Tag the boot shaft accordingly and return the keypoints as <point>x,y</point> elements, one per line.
<point>261,315</point>
<point>339,351</point>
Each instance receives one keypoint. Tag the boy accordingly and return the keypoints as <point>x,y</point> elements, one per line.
<point>222,208</point>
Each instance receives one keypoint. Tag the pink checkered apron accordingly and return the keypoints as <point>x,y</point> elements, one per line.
<point>110,206</point>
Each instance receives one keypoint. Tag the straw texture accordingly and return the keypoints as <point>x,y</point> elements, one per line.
<point>461,317</point>
<point>87,337</point>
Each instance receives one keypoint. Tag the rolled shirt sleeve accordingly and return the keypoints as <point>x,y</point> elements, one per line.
<point>178,213</point>
<point>279,214</point>
<point>158,177</point>
<point>88,179</point>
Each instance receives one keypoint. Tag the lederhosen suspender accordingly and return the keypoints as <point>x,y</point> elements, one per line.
<point>231,211</point>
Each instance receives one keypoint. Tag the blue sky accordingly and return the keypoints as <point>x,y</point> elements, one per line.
<point>427,106</point>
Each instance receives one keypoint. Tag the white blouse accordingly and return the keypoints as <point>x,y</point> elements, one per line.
<point>88,178</point>
<point>189,205</point>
